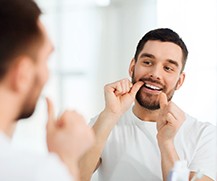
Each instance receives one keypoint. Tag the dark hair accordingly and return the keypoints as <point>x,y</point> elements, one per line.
<point>164,35</point>
<point>19,31</point>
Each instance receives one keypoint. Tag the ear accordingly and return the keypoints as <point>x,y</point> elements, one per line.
<point>132,67</point>
<point>22,74</point>
<point>180,81</point>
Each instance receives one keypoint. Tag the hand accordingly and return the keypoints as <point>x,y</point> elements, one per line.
<point>120,95</point>
<point>169,121</point>
<point>68,136</point>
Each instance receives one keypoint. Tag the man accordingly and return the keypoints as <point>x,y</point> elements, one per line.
<point>144,141</point>
<point>24,51</point>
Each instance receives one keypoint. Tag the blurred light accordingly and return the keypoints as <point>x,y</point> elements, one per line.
<point>102,2</point>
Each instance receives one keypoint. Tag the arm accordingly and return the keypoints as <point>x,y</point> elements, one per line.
<point>170,120</point>
<point>118,97</point>
<point>91,160</point>
<point>203,178</point>
<point>69,137</point>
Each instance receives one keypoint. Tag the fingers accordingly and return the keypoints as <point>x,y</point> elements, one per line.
<point>50,115</point>
<point>77,126</point>
<point>70,117</point>
<point>170,112</point>
<point>173,121</point>
<point>136,88</point>
<point>122,87</point>
<point>176,112</point>
<point>163,100</point>
<point>170,118</point>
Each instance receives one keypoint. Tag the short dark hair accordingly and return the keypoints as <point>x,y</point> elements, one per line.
<point>164,35</point>
<point>19,31</point>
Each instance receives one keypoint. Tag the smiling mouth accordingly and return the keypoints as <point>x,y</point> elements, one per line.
<point>152,87</point>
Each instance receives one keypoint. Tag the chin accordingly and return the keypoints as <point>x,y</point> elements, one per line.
<point>149,106</point>
<point>26,115</point>
<point>27,112</point>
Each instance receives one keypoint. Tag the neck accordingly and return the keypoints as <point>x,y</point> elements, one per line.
<point>8,112</point>
<point>8,129</point>
<point>145,114</point>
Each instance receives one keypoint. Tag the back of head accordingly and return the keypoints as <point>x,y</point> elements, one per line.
<point>163,35</point>
<point>19,31</point>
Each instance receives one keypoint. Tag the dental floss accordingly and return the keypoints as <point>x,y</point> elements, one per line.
<point>179,172</point>
<point>198,175</point>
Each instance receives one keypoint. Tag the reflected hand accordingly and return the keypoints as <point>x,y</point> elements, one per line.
<point>169,121</point>
<point>69,136</point>
<point>120,95</point>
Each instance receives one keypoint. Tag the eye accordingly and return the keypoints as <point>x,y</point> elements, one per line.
<point>168,69</point>
<point>147,62</point>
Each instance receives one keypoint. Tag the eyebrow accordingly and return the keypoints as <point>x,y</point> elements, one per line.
<point>173,62</point>
<point>147,55</point>
<point>152,56</point>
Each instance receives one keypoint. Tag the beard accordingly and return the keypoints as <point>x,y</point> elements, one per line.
<point>150,101</point>
<point>30,101</point>
<point>28,107</point>
<point>26,114</point>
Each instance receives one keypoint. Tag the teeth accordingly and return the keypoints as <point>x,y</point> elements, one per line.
<point>152,87</point>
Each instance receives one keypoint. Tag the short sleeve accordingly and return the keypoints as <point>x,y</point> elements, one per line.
<point>205,154</point>
<point>92,121</point>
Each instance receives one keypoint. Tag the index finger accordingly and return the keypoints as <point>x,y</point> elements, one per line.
<point>163,100</point>
<point>50,113</point>
<point>136,88</point>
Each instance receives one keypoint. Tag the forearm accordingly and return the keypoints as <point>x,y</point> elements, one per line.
<point>71,164</point>
<point>168,157</point>
<point>88,163</point>
<point>74,171</point>
<point>102,129</point>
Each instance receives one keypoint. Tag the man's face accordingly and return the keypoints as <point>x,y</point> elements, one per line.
<point>159,66</point>
<point>40,75</point>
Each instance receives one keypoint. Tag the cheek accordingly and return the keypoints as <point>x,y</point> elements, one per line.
<point>44,74</point>
<point>172,83</point>
<point>139,72</point>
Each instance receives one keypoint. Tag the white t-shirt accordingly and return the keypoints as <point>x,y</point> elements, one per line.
<point>23,166</point>
<point>131,152</point>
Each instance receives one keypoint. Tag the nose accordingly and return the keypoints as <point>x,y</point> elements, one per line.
<point>156,72</point>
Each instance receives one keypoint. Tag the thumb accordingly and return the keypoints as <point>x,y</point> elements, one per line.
<point>50,114</point>
<point>136,88</point>
<point>163,100</point>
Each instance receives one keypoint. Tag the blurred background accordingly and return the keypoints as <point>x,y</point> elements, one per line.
<point>95,41</point>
